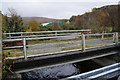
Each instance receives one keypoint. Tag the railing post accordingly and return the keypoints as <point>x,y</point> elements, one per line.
<point>102,35</point>
<point>56,33</point>
<point>21,35</point>
<point>83,42</point>
<point>116,39</point>
<point>24,48</point>
<point>10,36</point>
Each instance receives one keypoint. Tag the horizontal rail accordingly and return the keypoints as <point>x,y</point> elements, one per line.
<point>6,40</point>
<point>45,35</point>
<point>13,47</point>
<point>55,37</point>
<point>48,31</point>
<point>99,34</point>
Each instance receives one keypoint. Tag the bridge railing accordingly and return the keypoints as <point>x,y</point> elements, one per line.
<point>43,33</point>
<point>83,38</point>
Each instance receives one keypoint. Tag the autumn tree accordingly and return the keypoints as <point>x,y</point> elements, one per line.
<point>34,25</point>
<point>101,19</point>
<point>13,23</point>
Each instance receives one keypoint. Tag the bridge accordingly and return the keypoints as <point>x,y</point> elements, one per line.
<point>105,44</point>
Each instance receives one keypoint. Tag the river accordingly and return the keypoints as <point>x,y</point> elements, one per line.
<point>61,71</point>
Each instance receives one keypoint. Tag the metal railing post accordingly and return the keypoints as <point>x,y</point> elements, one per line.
<point>83,42</point>
<point>116,39</point>
<point>102,35</point>
<point>24,48</point>
<point>10,36</point>
<point>21,35</point>
<point>56,33</point>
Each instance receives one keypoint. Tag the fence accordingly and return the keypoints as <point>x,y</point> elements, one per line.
<point>43,33</point>
<point>82,36</point>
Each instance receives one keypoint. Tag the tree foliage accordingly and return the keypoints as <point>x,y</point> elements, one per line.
<point>13,23</point>
<point>34,25</point>
<point>106,18</point>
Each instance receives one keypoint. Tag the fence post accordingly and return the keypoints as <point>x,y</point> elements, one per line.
<point>102,35</point>
<point>10,36</point>
<point>116,39</point>
<point>21,35</point>
<point>24,48</point>
<point>83,42</point>
<point>56,33</point>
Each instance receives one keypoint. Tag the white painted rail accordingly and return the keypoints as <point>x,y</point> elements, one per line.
<point>55,37</point>
<point>43,33</point>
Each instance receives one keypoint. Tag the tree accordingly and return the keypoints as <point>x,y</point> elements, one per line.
<point>13,23</point>
<point>34,25</point>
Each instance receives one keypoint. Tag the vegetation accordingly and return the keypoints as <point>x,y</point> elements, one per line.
<point>14,23</point>
<point>101,19</point>
<point>34,25</point>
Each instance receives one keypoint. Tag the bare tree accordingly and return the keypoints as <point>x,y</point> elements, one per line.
<point>12,12</point>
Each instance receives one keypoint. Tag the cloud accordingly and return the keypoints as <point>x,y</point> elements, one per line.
<point>52,9</point>
<point>60,0</point>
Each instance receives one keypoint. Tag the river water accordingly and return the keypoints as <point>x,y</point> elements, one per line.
<point>61,71</point>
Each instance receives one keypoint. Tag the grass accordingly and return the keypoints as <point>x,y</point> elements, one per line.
<point>0,73</point>
<point>11,50</point>
<point>7,52</point>
<point>16,55</point>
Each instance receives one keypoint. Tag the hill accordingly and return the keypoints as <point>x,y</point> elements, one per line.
<point>101,19</point>
<point>39,19</point>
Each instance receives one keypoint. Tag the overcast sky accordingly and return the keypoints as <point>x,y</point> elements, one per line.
<point>59,9</point>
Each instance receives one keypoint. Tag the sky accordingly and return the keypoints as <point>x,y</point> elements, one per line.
<point>58,9</point>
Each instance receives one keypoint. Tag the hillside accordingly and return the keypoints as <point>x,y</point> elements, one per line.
<point>101,19</point>
<point>39,19</point>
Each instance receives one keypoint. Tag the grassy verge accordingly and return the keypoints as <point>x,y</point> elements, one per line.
<point>16,55</point>
<point>55,41</point>
<point>11,50</point>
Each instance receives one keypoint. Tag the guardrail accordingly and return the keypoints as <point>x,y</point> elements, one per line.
<point>56,33</point>
<point>115,39</point>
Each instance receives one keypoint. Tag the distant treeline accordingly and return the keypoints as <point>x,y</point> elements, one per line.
<point>106,18</point>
